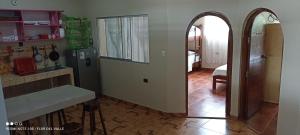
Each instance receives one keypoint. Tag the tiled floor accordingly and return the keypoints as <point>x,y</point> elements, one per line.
<point>123,118</point>
<point>201,101</point>
<point>264,119</point>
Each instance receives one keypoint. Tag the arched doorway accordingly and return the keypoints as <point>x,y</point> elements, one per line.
<point>214,79</point>
<point>261,62</point>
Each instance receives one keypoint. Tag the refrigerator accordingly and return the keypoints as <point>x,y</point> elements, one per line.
<point>85,68</point>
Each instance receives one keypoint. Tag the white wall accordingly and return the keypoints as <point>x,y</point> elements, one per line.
<point>168,20</point>
<point>71,7</point>
<point>124,80</point>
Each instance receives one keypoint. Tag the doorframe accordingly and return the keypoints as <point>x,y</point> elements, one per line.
<point>229,59</point>
<point>244,63</point>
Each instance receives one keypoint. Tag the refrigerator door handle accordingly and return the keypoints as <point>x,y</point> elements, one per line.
<point>88,62</point>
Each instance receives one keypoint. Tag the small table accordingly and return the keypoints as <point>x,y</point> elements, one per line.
<point>26,107</point>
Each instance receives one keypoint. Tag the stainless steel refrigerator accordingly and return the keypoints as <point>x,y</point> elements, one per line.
<point>84,64</point>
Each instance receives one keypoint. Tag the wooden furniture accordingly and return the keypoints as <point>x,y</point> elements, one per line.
<point>25,107</point>
<point>218,79</point>
<point>91,107</point>
<point>61,119</point>
<point>18,26</point>
<point>219,76</point>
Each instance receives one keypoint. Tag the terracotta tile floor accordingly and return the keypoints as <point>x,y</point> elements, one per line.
<point>265,120</point>
<point>201,101</point>
<point>123,118</point>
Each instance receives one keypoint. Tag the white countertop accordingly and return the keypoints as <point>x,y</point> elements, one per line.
<point>12,79</point>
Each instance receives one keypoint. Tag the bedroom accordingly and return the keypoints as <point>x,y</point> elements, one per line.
<point>207,51</point>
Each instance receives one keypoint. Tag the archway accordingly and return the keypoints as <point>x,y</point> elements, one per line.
<point>224,79</point>
<point>261,62</point>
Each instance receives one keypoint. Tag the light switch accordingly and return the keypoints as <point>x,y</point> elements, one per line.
<point>163,53</point>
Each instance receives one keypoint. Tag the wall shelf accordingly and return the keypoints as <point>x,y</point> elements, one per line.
<point>15,25</point>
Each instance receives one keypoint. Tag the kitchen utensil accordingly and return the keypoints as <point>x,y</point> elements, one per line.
<point>46,58</point>
<point>36,55</point>
<point>24,65</point>
<point>54,55</point>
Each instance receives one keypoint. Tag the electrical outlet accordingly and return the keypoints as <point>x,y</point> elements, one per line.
<point>145,80</point>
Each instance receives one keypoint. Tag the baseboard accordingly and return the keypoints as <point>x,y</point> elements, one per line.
<point>182,115</point>
<point>272,102</point>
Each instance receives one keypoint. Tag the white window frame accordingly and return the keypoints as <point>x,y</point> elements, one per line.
<point>136,49</point>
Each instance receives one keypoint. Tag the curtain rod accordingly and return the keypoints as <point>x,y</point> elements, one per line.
<point>121,16</point>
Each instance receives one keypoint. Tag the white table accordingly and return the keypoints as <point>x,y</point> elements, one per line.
<point>37,104</point>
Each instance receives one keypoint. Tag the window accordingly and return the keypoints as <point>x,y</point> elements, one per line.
<point>194,31</point>
<point>125,38</point>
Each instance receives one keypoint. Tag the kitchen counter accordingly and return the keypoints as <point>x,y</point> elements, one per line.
<point>12,79</point>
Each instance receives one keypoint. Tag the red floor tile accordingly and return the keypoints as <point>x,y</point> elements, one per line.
<point>202,102</point>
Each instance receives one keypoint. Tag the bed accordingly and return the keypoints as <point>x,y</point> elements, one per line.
<point>219,76</point>
<point>192,58</point>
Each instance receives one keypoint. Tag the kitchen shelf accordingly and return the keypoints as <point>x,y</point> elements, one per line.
<point>34,40</point>
<point>38,40</point>
<point>9,42</point>
<point>15,23</point>
<point>11,21</point>
<point>32,25</point>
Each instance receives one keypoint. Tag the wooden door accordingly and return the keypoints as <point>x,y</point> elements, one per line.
<point>273,47</point>
<point>255,71</point>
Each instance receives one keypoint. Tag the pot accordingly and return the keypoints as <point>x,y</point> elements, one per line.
<point>54,55</point>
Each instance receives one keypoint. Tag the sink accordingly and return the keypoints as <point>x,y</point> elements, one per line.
<point>50,69</point>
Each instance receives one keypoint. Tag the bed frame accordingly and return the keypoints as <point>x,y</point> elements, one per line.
<point>218,79</point>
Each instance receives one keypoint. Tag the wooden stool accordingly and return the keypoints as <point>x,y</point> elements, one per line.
<point>91,107</point>
<point>61,119</point>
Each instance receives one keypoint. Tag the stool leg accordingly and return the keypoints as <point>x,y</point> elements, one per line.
<point>94,121</point>
<point>51,123</point>
<point>27,124</point>
<point>83,118</point>
<point>91,123</point>
<point>101,118</point>
<point>12,132</point>
<point>47,119</point>
<point>63,116</point>
<point>59,119</point>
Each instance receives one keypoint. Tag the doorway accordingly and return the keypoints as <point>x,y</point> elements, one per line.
<point>208,51</point>
<point>261,63</point>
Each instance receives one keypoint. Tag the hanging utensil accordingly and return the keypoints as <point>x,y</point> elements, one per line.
<point>10,51</point>
<point>37,55</point>
<point>46,58</point>
<point>54,55</point>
